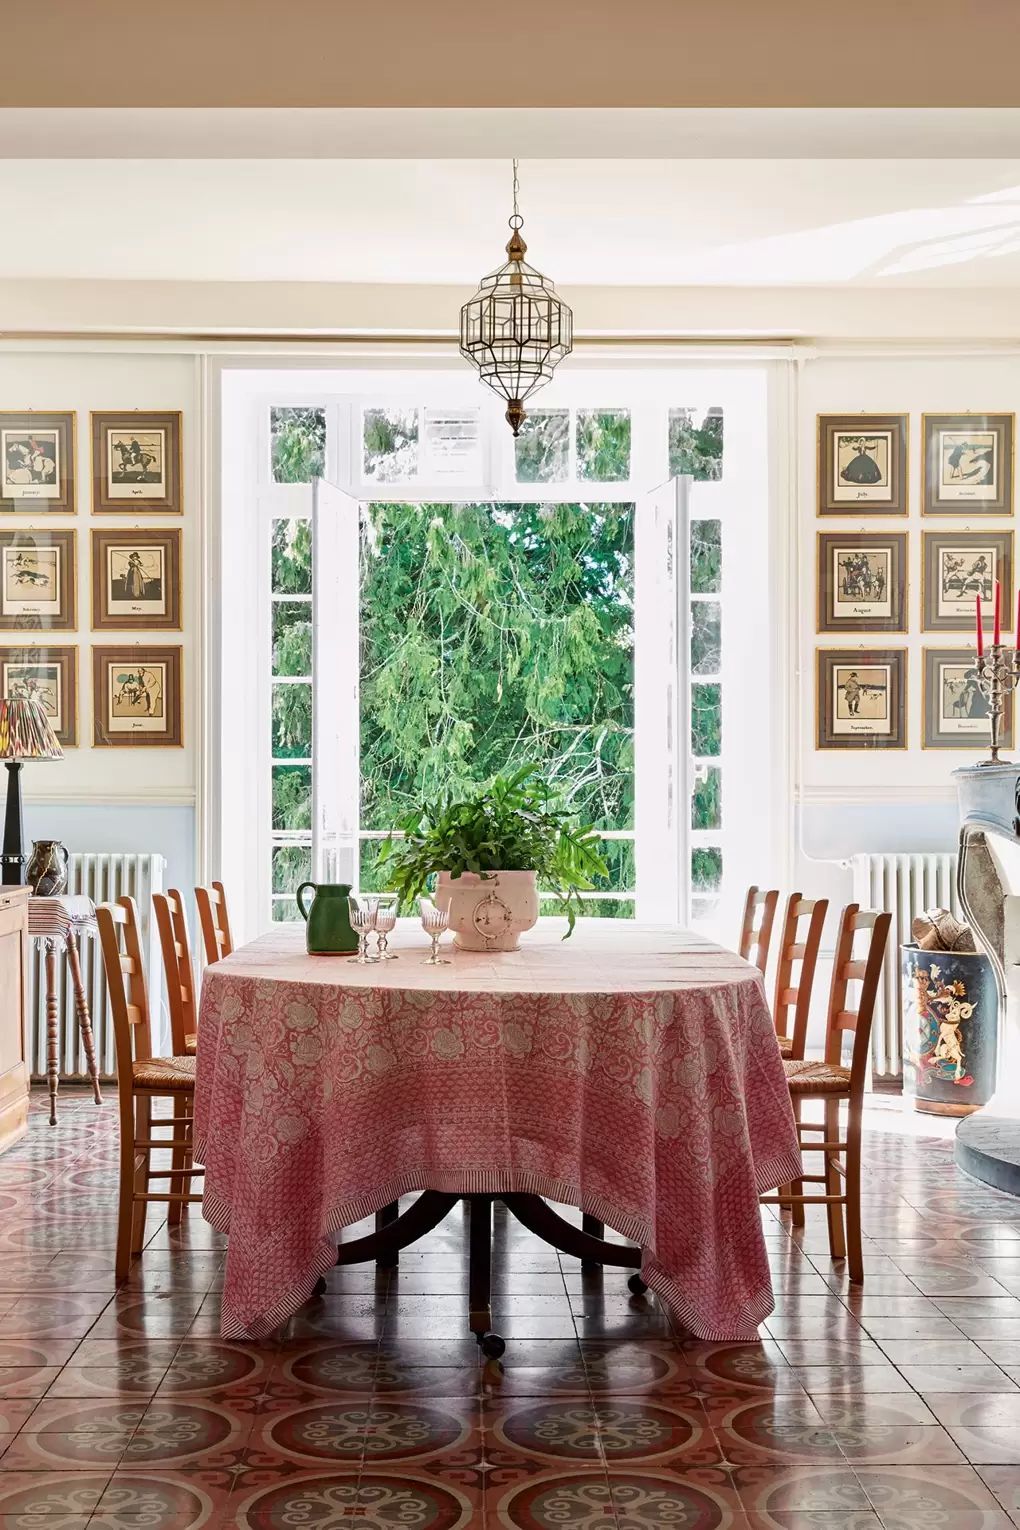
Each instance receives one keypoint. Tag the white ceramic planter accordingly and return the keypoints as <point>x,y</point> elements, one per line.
<point>489,912</point>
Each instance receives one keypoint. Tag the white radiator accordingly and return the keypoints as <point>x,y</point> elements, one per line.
<point>906,885</point>
<point>101,878</point>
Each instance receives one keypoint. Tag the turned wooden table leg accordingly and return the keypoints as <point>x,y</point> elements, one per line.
<point>81,1009</point>
<point>52,1035</point>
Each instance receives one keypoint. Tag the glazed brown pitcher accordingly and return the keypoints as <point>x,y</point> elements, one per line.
<point>47,868</point>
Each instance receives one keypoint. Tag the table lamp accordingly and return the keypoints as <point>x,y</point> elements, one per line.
<point>25,734</point>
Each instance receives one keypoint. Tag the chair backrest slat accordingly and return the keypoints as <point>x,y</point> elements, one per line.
<point>756,929</point>
<point>793,948</point>
<point>844,1016</point>
<point>172,923</point>
<point>125,985</point>
<point>215,921</point>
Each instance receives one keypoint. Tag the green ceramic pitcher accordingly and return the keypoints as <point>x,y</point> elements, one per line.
<point>328,929</point>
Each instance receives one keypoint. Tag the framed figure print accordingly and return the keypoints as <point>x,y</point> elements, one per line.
<point>861,700</point>
<point>38,580</point>
<point>955,707</point>
<point>136,696</point>
<point>136,463</point>
<point>136,579</point>
<point>968,464</point>
<point>50,675</point>
<point>862,581</point>
<point>37,452</point>
<point>862,464</point>
<point>957,566</point>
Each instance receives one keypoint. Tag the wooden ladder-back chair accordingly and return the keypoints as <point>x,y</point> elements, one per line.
<point>212,913</point>
<point>756,930</point>
<point>800,946</point>
<point>172,924</point>
<point>832,1082</point>
<point>142,1078</point>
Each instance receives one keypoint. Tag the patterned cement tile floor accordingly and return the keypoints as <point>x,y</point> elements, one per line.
<point>897,1405</point>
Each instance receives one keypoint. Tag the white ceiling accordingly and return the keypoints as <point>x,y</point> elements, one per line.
<point>629,222</point>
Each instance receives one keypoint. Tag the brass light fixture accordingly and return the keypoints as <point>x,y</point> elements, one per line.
<point>515,329</point>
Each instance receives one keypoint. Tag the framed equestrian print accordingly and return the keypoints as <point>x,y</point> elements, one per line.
<point>862,581</point>
<point>862,464</point>
<point>136,697</point>
<point>49,675</point>
<point>861,698</point>
<point>956,567</point>
<point>37,455</point>
<point>136,463</point>
<point>38,580</point>
<point>955,707</point>
<point>968,464</point>
<point>136,579</point>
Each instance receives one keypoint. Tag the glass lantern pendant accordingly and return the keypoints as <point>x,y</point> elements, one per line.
<point>515,329</point>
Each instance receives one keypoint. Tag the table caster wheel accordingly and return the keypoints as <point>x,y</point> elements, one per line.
<point>637,1285</point>
<point>492,1345</point>
<point>319,1288</point>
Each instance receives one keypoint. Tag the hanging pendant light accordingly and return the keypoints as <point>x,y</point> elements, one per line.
<point>515,329</point>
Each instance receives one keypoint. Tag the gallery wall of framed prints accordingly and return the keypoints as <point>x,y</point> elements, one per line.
<point>132,572</point>
<point>964,482</point>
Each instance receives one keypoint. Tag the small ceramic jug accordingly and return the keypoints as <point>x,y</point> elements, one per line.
<point>47,868</point>
<point>328,929</point>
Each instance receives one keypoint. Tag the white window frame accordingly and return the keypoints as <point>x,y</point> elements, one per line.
<point>649,392</point>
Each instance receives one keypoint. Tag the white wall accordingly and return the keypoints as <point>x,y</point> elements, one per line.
<point>140,799</point>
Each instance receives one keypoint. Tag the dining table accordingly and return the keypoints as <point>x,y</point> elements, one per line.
<point>631,1071</point>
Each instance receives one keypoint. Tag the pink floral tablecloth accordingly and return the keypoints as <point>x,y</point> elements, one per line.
<point>631,1071</point>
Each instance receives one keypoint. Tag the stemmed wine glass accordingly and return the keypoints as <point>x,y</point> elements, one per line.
<point>363,908</point>
<point>434,921</point>
<point>385,920</point>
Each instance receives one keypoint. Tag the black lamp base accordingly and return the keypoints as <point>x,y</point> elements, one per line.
<point>13,858</point>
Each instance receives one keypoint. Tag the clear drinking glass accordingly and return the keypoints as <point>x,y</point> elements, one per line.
<point>363,908</point>
<point>434,921</point>
<point>385,920</point>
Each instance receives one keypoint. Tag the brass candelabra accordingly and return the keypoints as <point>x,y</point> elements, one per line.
<point>998,670</point>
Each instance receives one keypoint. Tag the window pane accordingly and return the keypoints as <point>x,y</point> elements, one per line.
<point>591,908</point>
<point>453,446</point>
<point>390,438</point>
<point>298,444</point>
<point>603,445</point>
<point>292,865</point>
<point>292,557</point>
<point>696,443</point>
<point>706,557</point>
<point>292,637</point>
<point>292,797</point>
<point>706,631</point>
<point>542,449</point>
<point>706,798</point>
<point>292,721</point>
<point>706,720</point>
<point>286,911</point>
<point>496,635</point>
<point>706,880</point>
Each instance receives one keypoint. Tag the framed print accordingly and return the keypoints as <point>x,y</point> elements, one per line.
<point>955,710</point>
<point>861,699</point>
<point>862,581</point>
<point>136,463</point>
<point>957,566</point>
<point>136,579</point>
<point>136,696</point>
<point>862,464</point>
<point>38,580</point>
<point>51,676</point>
<point>37,452</point>
<point>968,464</point>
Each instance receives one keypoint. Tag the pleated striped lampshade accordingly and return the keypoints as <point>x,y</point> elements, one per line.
<point>25,732</point>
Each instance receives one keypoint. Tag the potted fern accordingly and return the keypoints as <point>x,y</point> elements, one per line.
<point>490,849</point>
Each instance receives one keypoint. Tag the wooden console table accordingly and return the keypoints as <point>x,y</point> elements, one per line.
<point>13,981</point>
<point>58,923</point>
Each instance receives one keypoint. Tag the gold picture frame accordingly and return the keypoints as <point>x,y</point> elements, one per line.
<point>38,579</point>
<point>967,464</point>
<point>137,462</point>
<point>955,565</point>
<point>949,690</point>
<point>137,697</point>
<point>38,461</point>
<point>861,581</point>
<point>50,674</point>
<point>136,579</point>
<point>862,464</point>
<point>873,715</point>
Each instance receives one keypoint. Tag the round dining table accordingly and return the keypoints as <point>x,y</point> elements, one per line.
<point>631,1071</point>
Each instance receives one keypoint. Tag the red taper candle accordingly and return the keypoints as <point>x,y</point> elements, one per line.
<point>996,627</point>
<point>980,634</point>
